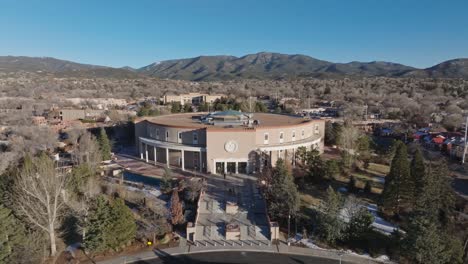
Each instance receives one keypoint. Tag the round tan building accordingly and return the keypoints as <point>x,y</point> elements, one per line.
<point>225,142</point>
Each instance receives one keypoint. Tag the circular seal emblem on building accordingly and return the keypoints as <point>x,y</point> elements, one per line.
<point>231,146</point>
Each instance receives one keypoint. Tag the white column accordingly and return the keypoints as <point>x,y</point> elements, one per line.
<point>237,167</point>
<point>146,152</point>
<point>225,167</point>
<point>200,160</point>
<point>167,157</point>
<point>183,160</point>
<point>155,155</point>
<point>141,150</point>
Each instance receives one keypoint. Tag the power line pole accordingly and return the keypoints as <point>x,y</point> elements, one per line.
<point>465,144</point>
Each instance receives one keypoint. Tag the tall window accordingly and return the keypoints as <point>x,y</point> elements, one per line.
<point>281,138</point>
<point>294,135</point>
<point>265,138</point>
<point>157,133</point>
<point>167,135</point>
<point>195,138</point>
<point>303,133</point>
<point>316,131</point>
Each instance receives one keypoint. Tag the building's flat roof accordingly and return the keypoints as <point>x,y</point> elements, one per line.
<point>185,120</point>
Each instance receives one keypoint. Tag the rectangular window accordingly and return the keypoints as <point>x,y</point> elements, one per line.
<point>317,129</point>
<point>281,137</point>
<point>167,135</point>
<point>294,135</point>
<point>266,138</point>
<point>179,137</point>
<point>157,133</point>
<point>195,138</point>
<point>303,133</point>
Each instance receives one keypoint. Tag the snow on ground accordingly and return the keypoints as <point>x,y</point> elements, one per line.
<point>309,243</point>
<point>379,223</point>
<point>148,191</point>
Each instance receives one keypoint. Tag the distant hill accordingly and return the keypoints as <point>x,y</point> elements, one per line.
<point>263,65</point>
<point>61,68</point>
<point>457,68</point>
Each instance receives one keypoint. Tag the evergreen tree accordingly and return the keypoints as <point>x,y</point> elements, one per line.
<point>418,172</point>
<point>122,228</point>
<point>260,107</point>
<point>359,225</point>
<point>176,107</point>
<point>424,243</point>
<point>166,182</point>
<point>332,169</point>
<point>352,188</point>
<point>98,225</point>
<point>330,226</point>
<point>283,194</point>
<point>11,235</point>
<point>315,166</point>
<point>104,144</point>
<point>110,225</point>
<point>398,188</point>
<point>177,213</point>
<point>364,150</point>
<point>436,199</point>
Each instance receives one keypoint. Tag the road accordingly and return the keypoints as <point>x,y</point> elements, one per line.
<point>239,257</point>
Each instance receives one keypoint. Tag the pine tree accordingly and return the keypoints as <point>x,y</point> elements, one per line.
<point>98,225</point>
<point>122,229</point>
<point>110,225</point>
<point>330,226</point>
<point>284,197</point>
<point>423,242</point>
<point>436,199</point>
<point>11,235</point>
<point>104,144</point>
<point>359,225</point>
<point>418,172</point>
<point>177,214</point>
<point>398,189</point>
<point>352,185</point>
<point>315,166</point>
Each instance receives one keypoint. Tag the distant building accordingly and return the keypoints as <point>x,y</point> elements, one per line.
<point>39,120</point>
<point>191,98</point>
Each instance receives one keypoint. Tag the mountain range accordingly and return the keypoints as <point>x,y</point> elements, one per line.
<point>263,65</point>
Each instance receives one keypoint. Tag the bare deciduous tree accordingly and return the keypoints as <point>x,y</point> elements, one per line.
<point>39,189</point>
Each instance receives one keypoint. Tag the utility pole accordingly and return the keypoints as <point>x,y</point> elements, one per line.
<point>465,144</point>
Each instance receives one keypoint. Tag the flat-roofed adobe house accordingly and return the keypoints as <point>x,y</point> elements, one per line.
<point>225,142</point>
<point>191,98</point>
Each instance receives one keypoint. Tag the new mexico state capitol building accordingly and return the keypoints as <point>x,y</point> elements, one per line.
<point>225,142</point>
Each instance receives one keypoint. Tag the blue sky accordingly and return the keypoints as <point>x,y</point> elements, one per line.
<point>136,33</point>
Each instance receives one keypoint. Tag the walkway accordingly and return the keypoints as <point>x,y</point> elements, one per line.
<point>233,201</point>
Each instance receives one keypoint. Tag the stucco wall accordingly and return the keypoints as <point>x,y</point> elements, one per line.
<point>217,139</point>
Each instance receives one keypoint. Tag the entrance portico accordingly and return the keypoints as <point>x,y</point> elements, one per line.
<point>172,154</point>
<point>232,165</point>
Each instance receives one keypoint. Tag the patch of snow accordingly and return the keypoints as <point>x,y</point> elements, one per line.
<point>343,190</point>
<point>379,223</point>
